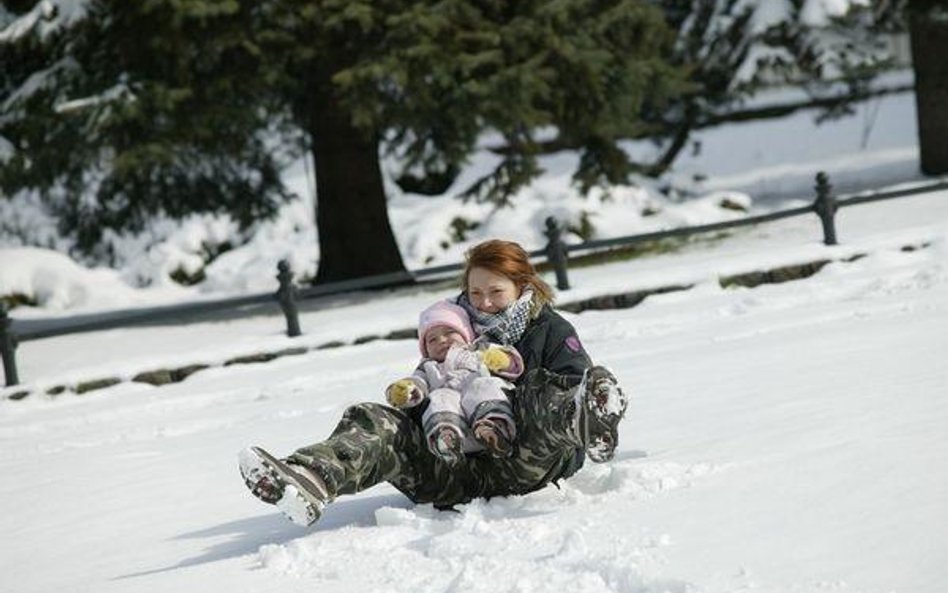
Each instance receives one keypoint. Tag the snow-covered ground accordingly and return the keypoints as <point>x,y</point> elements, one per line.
<point>787,438</point>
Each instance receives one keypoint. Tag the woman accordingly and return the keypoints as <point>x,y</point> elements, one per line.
<point>564,407</point>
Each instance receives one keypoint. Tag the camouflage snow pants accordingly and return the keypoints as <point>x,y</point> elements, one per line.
<point>374,443</point>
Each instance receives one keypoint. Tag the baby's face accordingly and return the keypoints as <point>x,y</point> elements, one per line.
<point>439,340</point>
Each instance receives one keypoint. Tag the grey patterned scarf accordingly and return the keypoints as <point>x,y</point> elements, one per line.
<point>505,327</point>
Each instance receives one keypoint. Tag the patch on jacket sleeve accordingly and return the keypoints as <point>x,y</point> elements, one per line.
<point>574,344</point>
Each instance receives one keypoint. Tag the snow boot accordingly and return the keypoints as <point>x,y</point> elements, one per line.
<point>298,492</point>
<point>446,443</point>
<point>494,435</point>
<point>600,405</point>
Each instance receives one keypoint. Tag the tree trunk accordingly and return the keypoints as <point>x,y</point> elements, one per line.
<point>355,237</point>
<point>679,139</point>
<point>928,27</point>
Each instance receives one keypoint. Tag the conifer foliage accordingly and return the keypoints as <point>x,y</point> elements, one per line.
<point>425,80</point>
<point>163,105</point>
<point>116,111</point>
<point>735,48</point>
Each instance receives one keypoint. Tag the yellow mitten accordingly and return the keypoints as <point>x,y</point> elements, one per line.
<point>495,359</point>
<point>399,393</point>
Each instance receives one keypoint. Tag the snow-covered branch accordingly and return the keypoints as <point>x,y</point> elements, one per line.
<point>46,17</point>
<point>38,81</point>
<point>117,92</point>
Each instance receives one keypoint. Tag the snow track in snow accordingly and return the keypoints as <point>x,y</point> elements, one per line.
<point>503,544</point>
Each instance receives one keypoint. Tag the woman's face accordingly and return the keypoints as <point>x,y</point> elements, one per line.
<point>490,292</point>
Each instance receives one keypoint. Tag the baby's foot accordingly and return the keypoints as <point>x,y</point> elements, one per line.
<point>493,434</point>
<point>446,444</point>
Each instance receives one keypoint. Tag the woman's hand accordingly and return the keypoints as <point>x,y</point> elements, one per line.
<point>403,393</point>
<point>503,361</point>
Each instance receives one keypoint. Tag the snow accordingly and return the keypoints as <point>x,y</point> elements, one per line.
<point>58,283</point>
<point>6,150</point>
<point>39,80</point>
<point>759,59</point>
<point>765,14</point>
<point>838,50</point>
<point>117,92</point>
<point>785,438</point>
<point>878,143</point>
<point>818,13</point>
<point>45,18</point>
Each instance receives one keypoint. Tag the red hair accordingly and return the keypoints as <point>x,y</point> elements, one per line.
<point>510,260</point>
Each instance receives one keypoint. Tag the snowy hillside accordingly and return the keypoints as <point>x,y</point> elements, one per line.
<point>787,438</point>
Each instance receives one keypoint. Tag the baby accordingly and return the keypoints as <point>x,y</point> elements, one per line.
<point>463,380</point>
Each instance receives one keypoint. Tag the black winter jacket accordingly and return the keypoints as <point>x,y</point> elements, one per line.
<point>550,342</point>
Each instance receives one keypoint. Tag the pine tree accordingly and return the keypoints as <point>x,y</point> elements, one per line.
<point>116,111</point>
<point>425,80</point>
<point>735,48</point>
<point>175,96</point>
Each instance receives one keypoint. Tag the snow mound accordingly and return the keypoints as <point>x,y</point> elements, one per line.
<point>56,283</point>
<point>505,544</point>
<point>635,481</point>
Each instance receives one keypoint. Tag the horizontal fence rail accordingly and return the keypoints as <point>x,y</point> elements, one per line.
<point>556,252</point>
<point>687,231</point>
<point>35,329</point>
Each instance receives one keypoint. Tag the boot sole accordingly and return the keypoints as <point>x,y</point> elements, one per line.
<point>298,503</point>
<point>602,417</point>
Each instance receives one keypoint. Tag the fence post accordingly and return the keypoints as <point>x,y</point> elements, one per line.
<point>287,294</point>
<point>8,344</point>
<point>825,207</point>
<point>556,252</point>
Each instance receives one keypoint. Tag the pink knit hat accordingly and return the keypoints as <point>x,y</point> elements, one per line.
<point>443,313</point>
